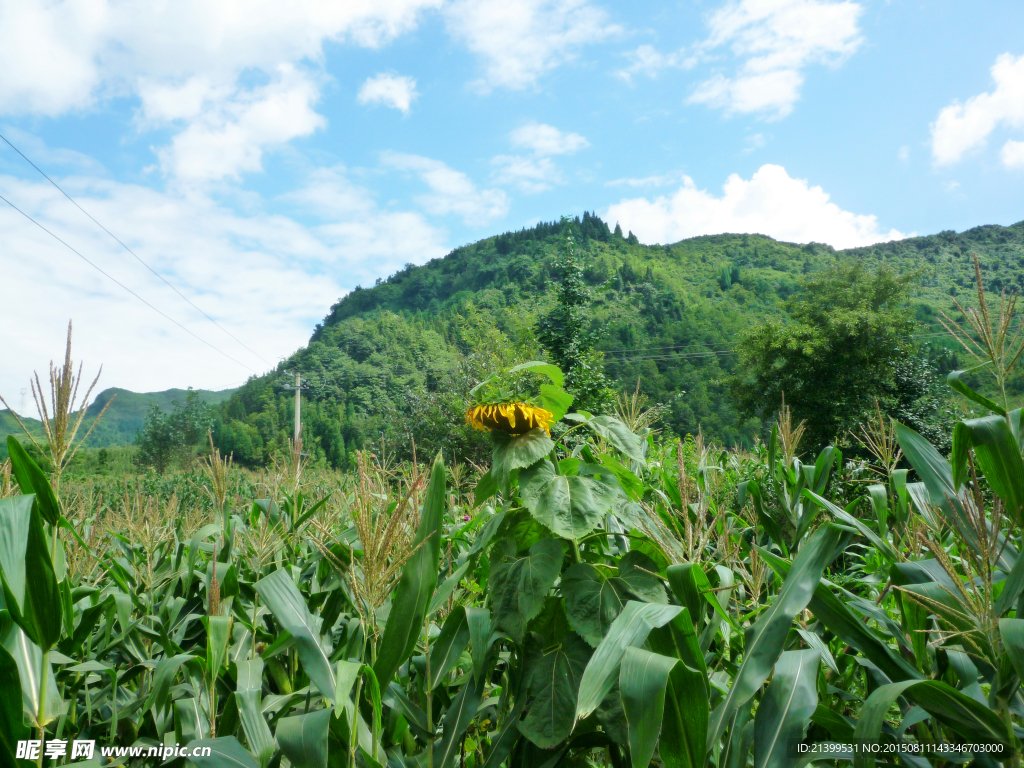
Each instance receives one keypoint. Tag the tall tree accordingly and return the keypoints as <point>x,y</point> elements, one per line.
<point>846,344</point>
<point>568,336</point>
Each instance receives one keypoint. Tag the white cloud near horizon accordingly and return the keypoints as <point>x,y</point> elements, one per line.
<point>451,192</point>
<point>962,128</point>
<point>769,203</point>
<point>519,41</point>
<point>774,41</point>
<point>390,90</point>
<point>267,278</point>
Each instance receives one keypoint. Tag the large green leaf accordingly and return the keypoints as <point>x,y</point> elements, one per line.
<point>643,678</point>
<point>937,476</point>
<point>225,752</point>
<point>29,583</point>
<point>571,506</point>
<point>31,670</point>
<point>1012,633</point>
<point>285,602</point>
<point>506,737</point>
<point>841,621</point>
<point>480,637</point>
<point>554,684</point>
<point>445,649</point>
<point>303,739</point>
<point>786,708</point>
<point>517,587</point>
<point>684,727</point>
<point>882,545</point>
<point>248,699</point>
<point>553,372</point>
<point>619,435</point>
<point>630,629</point>
<point>411,598</point>
<point>512,452</point>
<point>684,730</point>
<point>953,378</point>
<point>593,602</point>
<point>456,720</point>
<point>972,720</point>
<point>556,400</point>
<point>12,722</point>
<point>768,635</point>
<point>662,696</point>
<point>999,458</point>
<point>33,481</point>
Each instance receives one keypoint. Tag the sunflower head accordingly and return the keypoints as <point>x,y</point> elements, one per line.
<point>515,418</point>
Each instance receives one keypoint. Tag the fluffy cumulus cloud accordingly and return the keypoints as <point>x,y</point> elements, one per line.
<point>770,203</point>
<point>227,263</point>
<point>961,128</point>
<point>774,41</point>
<point>390,90</point>
<point>451,192</point>
<point>190,64</point>
<point>518,41</point>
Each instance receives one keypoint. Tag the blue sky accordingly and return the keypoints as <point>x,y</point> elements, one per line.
<point>267,157</point>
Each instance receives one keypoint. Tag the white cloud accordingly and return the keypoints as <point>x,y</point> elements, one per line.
<point>228,137</point>
<point>770,203</point>
<point>904,153</point>
<point>267,278</point>
<point>961,128</point>
<point>186,61</point>
<point>1012,154</point>
<point>546,140</point>
<point>520,40</point>
<point>451,191</point>
<point>390,90</point>
<point>647,60</point>
<point>531,175</point>
<point>776,40</point>
<point>754,141</point>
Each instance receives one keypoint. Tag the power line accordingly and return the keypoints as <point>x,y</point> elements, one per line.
<point>137,258</point>
<point>122,285</point>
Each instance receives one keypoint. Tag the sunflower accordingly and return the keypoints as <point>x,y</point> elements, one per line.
<point>514,418</point>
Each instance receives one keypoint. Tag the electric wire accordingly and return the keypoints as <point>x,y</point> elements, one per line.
<point>123,245</point>
<point>122,285</point>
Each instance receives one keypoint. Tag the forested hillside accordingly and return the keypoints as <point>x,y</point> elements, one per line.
<point>122,421</point>
<point>393,361</point>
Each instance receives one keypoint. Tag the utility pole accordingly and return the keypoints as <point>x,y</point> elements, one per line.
<point>297,440</point>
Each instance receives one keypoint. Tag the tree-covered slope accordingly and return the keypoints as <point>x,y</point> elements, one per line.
<point>123,419</point>
<point>390,360</point>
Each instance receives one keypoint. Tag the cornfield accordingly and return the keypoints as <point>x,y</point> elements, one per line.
<point>600,596</point>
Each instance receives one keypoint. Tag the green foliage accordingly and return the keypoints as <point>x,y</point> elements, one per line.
<point>170,438</point>
<point>397,360</point>
<point>508,641</point>
<point>849,328</point>
<point>567,334</point>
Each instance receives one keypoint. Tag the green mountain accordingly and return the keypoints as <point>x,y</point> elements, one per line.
<point>393,361</point>
<point>123,419</point>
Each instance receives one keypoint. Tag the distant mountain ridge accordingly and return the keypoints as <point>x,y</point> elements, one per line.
<point>123,419</point>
